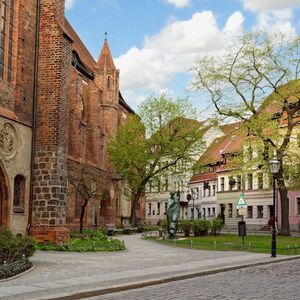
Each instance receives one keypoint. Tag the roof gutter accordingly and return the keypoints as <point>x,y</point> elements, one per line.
<point>34,113</point>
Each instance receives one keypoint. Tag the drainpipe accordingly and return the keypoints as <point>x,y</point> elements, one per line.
<point>34,113</point>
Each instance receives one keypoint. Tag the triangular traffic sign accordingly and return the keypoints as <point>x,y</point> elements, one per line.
<point>241,202</point>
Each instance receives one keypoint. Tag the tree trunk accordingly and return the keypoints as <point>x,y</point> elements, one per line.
<point>82,213</point>
<point>285,225</point>
<point>134,205</point>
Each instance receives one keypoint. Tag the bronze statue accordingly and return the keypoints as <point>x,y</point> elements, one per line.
<point>173,210</point>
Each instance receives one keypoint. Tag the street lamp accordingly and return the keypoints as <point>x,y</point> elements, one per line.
<point>192,197</point>
<point>274,168</point>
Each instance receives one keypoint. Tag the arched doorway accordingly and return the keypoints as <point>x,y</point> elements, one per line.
<point>3,200</point>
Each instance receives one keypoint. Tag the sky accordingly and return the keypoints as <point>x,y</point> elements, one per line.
<point>156,42</point>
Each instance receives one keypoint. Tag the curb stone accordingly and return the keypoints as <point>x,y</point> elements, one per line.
<point>18,275</point>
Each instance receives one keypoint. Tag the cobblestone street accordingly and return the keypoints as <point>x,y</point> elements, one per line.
<point>274,281</point>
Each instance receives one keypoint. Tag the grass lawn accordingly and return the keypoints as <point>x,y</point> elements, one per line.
<point>254,243</point>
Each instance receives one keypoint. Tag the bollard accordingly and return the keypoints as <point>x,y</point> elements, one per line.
<point>23,256</point>
<point>288,249</point>
<point>215,245</point>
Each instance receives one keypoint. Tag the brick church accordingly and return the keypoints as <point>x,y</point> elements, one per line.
<point>58,110</point>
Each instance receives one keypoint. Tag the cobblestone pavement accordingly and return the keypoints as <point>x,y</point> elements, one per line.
<point>58,273</point>
<point>274,281</point>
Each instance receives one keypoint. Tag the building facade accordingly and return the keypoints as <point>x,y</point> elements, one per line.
<point>59,108</point>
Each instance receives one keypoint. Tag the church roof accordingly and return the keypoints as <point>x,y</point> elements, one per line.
<point>105,59</point>
<point>79,47</point>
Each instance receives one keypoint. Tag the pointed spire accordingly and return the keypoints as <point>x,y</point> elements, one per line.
<point>105,60</point>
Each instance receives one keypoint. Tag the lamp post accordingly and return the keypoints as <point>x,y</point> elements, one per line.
<point>274,168</point>
<point>192,197</point>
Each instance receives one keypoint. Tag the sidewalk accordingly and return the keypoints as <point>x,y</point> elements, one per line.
<point>61,275</point>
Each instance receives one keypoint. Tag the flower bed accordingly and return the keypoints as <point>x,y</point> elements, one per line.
<point>89,241</point>
<point>14,268</point>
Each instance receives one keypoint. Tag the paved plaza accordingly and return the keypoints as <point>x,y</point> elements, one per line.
<point>274,281</point>
<point>59,274</point>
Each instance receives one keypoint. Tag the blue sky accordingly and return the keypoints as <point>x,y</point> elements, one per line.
<point>155,42</point>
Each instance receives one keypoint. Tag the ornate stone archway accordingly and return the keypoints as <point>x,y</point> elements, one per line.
<point>3,200</point>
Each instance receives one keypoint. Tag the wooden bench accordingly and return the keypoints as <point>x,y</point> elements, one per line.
<point>111,229</point>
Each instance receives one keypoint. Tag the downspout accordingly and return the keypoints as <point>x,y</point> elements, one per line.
<point>34,113</point>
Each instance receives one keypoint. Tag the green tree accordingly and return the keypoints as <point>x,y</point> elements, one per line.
<point>238,82</point>
<point>153,141</point>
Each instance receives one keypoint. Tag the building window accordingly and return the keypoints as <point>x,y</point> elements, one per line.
<point>250,212</point>
<point>260,212</point>
<point>209,191</point>
<point>231,183</point>
<point>222,184</point>
<point>166,185</point>
<point>213,190</point>
<point>208,212</point>
<point>250,181</point>
<point>149,209</point>
<point>158,208</point>
<point>6,39</point>
<point>213,211</point>
<point>19,194</point>
<point>158,185</point>
<point>298,206</point>
<point>260,181</point>
<point>239,182</point>
<point>230,210</point>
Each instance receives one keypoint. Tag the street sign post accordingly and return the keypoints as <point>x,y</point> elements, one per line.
<point>241,205</point>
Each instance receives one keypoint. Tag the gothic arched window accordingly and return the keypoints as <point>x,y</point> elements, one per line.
<point>6,38</point>
<point>19,194</point>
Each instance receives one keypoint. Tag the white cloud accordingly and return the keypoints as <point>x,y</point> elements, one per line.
<point>265,5</point>
<point>179,3</point>
<point>69,4</point>
<point>276,21</point>
<point>172,51</point>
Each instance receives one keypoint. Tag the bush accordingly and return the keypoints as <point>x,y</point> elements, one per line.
<point>13,247</point>
<point>164,224</point>
<point>216,225</point>
<point>86,244</point>
<point>151,228</point>
<point>100,234</point>
<point>200,227</point>
<point>14,268</point>
<point>185,226</point>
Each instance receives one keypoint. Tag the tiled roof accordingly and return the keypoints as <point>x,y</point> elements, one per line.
<point>274,102</point>
<point>229,128</point>
<point>222,145</point>
<point>124,104</point>
<point>79,47</point>
<point>105,59</point>
<point>203,177</point>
